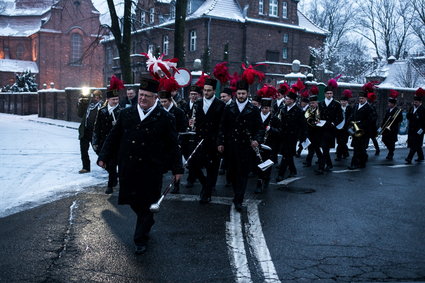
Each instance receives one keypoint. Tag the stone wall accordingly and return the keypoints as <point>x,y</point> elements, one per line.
<point>20,103</point>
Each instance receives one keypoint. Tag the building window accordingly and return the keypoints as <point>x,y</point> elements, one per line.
<point>150,48</point>
<point>19,52</point>
<point>261,7</point>
<point>273,8</point>
<point>272,56</point>
<point>76,48</point>
<point>189,7</point>
<point>165,44</point>
<point>152,15</point>
<point>109,55</point>
<point>192,42</point>
<point>143,18</point>
<point>285,38</point>
<point>285,53</point>
<point>6,53</point>
<point>284,9</point>
<point>172,11</point>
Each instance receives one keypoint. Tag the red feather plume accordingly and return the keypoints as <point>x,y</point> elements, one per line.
<point>283,88</point>
<point>233,81</point>
<point>116,83</point>
<point>420,92</point>
<point>221,72</point>
<point>267,91</point>
<point>369,86</point>
<point>347,93</point>
<point>393,93</point>
<point>372,96</point>
<point>304,94</point>
<point>314,90</point>
<point>250,73</point>
<point>201,80</point>
<point>298,86</point>
<point>168,84</point>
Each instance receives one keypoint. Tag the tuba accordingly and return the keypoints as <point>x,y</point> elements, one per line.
<point>355,130</point>
<point>312,116</point>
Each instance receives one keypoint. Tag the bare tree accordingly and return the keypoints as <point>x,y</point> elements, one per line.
<point>418,24</point>
<point>122,35</point>
<point>408,75</point>
<point>387,25</point>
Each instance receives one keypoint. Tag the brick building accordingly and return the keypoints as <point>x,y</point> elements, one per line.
<point>273,32</point>
<point>52,38</point>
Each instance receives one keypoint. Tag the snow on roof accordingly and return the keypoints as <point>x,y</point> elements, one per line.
<point>222,9</point>
<point>396,74</point>
<point>102,7</point>
<point>18,66</point>
<point>11,10</point>
<point>16,26</point>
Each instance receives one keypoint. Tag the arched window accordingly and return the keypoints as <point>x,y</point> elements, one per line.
<point>76,49</point>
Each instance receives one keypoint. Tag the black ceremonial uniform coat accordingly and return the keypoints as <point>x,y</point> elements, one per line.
<point>333,116</point>
<point>391,135</point>
<point>292,128</point>
<point>237,130</point>
<point>271,137</point>
<point>181,121</point>
<point>416,122</point>
<point>207,126</point>
<point>364,118</point>
<point>145,150</point>
<point>103,125</point>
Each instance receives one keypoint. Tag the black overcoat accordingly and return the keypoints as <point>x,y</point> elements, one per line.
<point>145,150</point>
<point>364,118</point>
<point>102,126</point>
<point>292,128</point>
<point>391,135</point>
<point>416,122</point>
<point>333,116</point>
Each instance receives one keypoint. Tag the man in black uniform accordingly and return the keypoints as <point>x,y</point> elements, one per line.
<point>391,124</point>
<point>342,129</point>
<point>145,139</point>
<point>181,122</point>
<point>130,99</point>
<point>240,132</point>
<point>188,141</point>
<point>207,121</point>
<point>362,116</point>
<point>292,129</point>
<point>87,110</point>
<point>331,112</point>
<point>106,118</point>
<point>415,133</point>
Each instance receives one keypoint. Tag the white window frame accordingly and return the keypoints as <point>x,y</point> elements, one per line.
<point>284,9</point>
<point>285,53</point>
<point>261,7</point>
<point>152,15</point>
<point>189,7</point>
<point>273,8</point>
<point>165,44</point>
<point>285,38</point>
<point>151,48</point>
<point>76,48</point>
<point>192,40</point>
<point>143,18</point>
<point>172,11</point>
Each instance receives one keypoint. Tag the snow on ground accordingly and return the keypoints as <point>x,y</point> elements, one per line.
<point>39,161</point>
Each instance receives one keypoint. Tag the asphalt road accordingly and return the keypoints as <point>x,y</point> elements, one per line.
<point>365,226</point>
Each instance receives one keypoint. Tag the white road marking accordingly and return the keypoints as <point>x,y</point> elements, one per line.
<point>400,166</point>
<point>236,247</point>
<point>258,245</point>
<point>346,170</point>
<point>288,181</point>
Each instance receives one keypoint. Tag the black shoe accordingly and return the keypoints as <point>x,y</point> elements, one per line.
<point>109,190</point>
<point>279,179</point>
<point>83,171</point>
<point>189,185</point>
<point>204,200</point>
<point>389,158</point>
<point>329,168</point>
<point>419,160</point>
<point>408,161</point>
<point>377,152</point>
<point>140,249</point>
<point>319,172</point>
<point>292,175</point>
<point>238,207</point>
<point>352,167</point>
<point>176,190</point>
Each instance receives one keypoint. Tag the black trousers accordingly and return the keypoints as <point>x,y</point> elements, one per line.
<point>111,167</point>
<point>211,163</point>
<point>84,150</point>
<point>360,156</point>
<point>144,224</point>
<point>342,140</point>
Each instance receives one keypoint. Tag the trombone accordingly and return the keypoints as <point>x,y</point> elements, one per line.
<point>390,121</point>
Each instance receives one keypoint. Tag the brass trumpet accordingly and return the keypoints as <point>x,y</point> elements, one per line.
<point>355,130</point>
